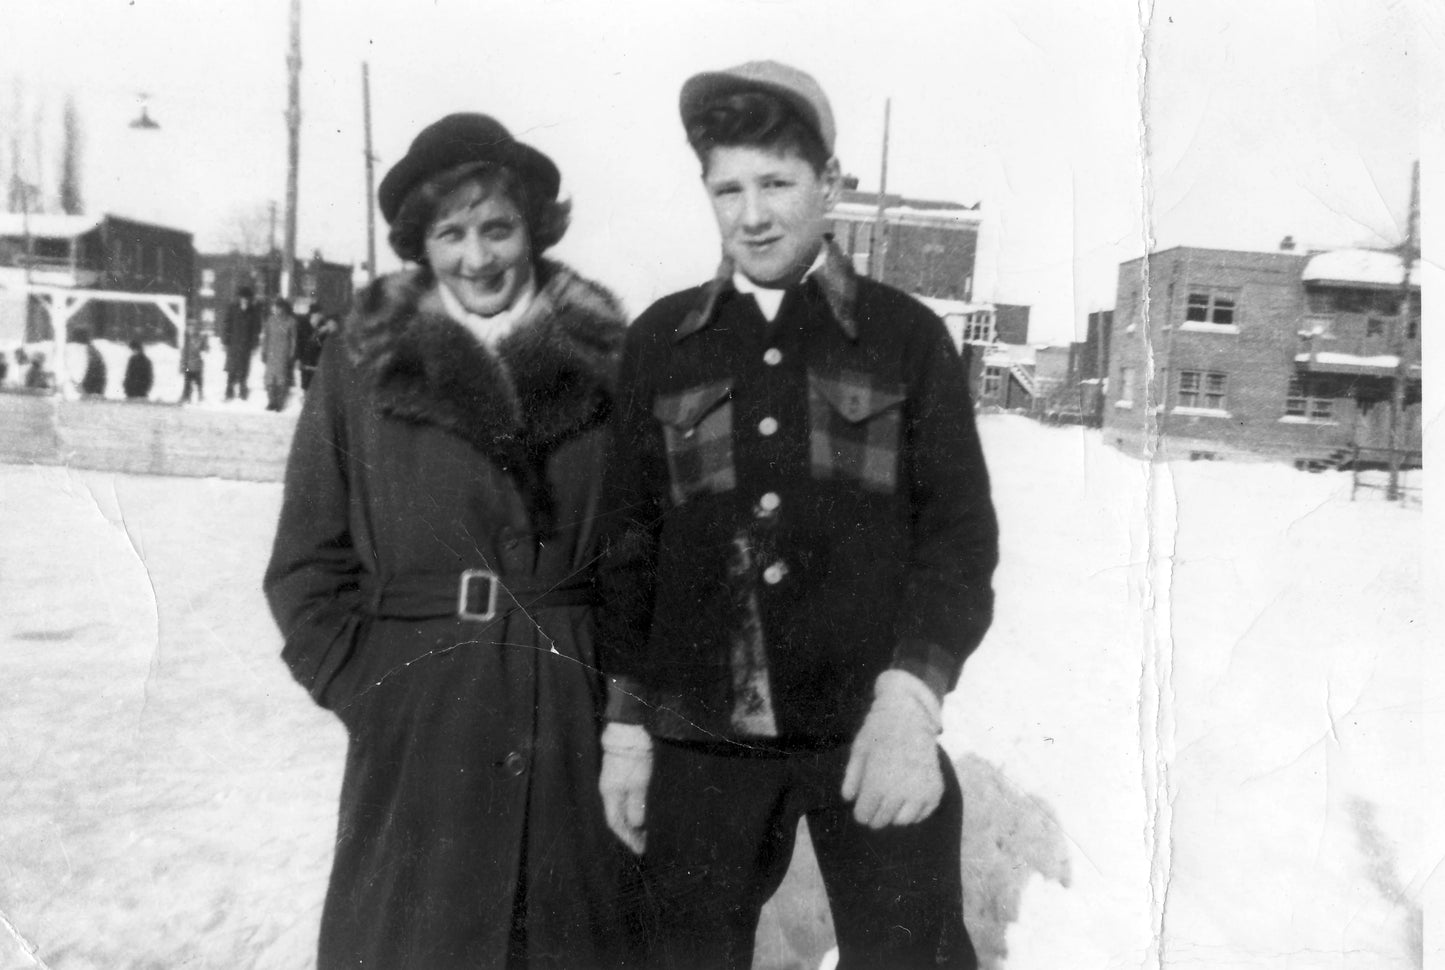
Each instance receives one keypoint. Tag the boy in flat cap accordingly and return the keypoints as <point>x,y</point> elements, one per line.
<point>798,553</point>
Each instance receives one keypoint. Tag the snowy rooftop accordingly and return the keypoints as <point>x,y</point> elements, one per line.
<point>1379,365</point>
<point>1368,267</point>
<point>950,308</point>
<point>943,213</point>
<point>46,225</point>
<point>1006,355</point>
<point>865,197</point>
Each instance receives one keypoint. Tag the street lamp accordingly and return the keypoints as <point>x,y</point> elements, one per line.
<point>144,121</point>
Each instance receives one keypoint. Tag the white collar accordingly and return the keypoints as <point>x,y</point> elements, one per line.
<point>770,298</point>
<point>489,330</point>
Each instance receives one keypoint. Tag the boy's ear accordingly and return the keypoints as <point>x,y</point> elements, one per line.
<point>832,181</point>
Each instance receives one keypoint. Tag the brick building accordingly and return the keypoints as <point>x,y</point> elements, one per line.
<point>104,252</point>
<point>931,251</point>
<point>1266,353</point>
<point>220,275</point>
<point>929,247</point>
<point>992,338</point>
<point>1091,367</point>
<point>1006,376</point>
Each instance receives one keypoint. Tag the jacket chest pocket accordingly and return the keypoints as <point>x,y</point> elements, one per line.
<point>697,428</point>
<point>856,426</point>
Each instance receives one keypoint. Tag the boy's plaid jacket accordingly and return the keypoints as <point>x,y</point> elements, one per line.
<point>790,509</point>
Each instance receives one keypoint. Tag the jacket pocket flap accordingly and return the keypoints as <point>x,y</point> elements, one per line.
<point>684,410</point>
<point>857,398</point>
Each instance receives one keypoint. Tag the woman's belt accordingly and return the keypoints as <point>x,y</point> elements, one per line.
<point>473,594</point>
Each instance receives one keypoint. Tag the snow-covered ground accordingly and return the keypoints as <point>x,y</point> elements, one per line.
<point>1202,687</point>
<point>1248,797</point>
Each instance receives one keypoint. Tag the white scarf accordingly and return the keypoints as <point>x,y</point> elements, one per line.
<point>489,330</point>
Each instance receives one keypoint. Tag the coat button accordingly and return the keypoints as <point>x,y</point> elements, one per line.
<point>772,357</point>
<point>768,426</point>
<point>514,764</point>
<point>770,501</point>
<point>774,574</point>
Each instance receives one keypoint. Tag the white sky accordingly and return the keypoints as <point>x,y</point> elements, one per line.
<point>1263,120</point>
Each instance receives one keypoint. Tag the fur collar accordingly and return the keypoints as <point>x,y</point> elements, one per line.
<point>550,379</point>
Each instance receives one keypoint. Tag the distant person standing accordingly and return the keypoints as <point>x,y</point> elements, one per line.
<point>193,361</point>
<point>240,333</point>
<point>308,343</point>
<point>37,378</point>
<point>140,374</point>
<point>93,383</point>
<point>278,353</point>
<point>4,367</point>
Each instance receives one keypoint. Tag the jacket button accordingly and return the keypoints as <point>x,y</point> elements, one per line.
<point>774,574</point>
<point>772,357</point>
<point>514,764</point>
<point>768,426</point>
<point>770,501</point>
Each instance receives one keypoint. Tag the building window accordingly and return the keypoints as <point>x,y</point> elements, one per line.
<point>978,328</point>
<point>992,381</point>
<point>208,282</point>
<point>1303,400</point>
<point>1128,386</point>
<point>1211,307</point>
<point>1374,327</point>
<point>862,238</point>
<point>50,249</point>
<point>1131,309</point>
<point>1201,390</point>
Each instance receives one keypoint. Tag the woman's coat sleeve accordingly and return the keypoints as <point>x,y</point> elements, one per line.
<point>313,580</point>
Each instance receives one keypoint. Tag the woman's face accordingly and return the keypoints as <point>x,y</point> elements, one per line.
<point>479,249</point>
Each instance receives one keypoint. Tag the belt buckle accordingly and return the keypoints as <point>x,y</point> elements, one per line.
<point>464,600</point>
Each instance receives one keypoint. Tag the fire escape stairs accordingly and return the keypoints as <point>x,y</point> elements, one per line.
<point>1025,376</point>
<point>1340,458</point>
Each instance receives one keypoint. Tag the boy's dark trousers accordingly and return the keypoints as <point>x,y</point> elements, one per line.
<point>196,379</point>
<point>720,833</point>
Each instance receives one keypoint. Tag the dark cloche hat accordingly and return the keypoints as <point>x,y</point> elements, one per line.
<point>459,139</point>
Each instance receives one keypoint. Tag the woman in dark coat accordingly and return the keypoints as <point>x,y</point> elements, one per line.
<point>432,575</point>
<point>140,374</point>
<point>92,383</point>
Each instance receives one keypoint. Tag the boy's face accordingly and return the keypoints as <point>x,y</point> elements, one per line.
<point>771,209</point>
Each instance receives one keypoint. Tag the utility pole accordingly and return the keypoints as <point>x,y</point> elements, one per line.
<point>370,175</point>
<point>879,250</point>
<point>293,151</point>
<point>1409,251</point>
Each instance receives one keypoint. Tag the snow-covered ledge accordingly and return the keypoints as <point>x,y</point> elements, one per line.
<point>1194,326</point>
<point>1202,412</point>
